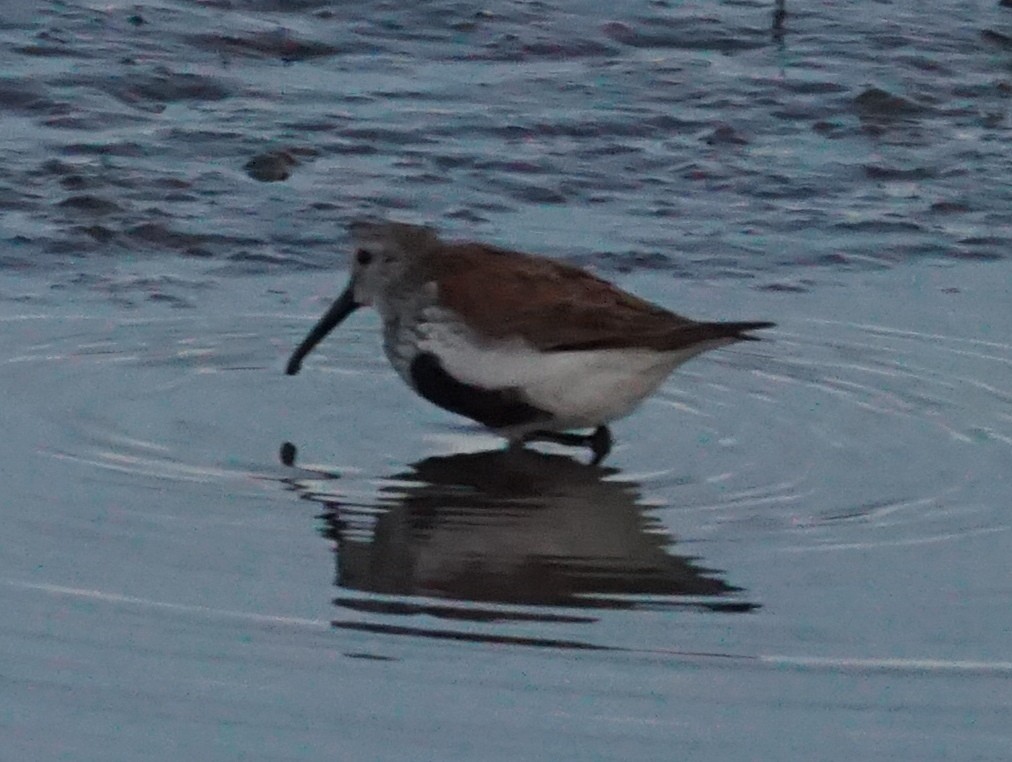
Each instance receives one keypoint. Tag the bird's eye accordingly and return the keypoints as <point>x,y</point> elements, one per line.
<point>363,256</point>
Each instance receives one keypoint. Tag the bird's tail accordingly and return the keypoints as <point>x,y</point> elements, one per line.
<point>706,335</point>
<point>739,331</point>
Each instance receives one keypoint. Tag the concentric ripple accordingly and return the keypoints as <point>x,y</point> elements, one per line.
<point>859,435</point>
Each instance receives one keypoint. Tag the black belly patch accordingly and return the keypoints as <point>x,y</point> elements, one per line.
<point>495,408</point>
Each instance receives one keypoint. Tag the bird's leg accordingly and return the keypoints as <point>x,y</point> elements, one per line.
<point>599,442</point>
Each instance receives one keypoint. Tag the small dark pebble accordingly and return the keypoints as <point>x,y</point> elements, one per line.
<point>271,167</point>
<point>828,129</point>
<point>99,233</point>
<point>619,32</point>
<point>74,182</point>
<point>89,205</point>
<point>725,134</point>
<point>997,37</point>
<point>791,288</point>
<point>877,102</point>
<point>949,207</point>
<point>288,453</point>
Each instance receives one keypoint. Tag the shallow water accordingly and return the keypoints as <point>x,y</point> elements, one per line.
<point>798,548</point>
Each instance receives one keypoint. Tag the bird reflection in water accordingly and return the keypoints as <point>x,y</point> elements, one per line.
<point>501,535</point>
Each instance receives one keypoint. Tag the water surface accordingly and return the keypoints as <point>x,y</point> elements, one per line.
<point>798,548</point>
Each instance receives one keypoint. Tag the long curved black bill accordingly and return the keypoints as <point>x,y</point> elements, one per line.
<point>339,310</point>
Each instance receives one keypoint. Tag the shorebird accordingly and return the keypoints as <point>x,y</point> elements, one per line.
<point>529,347</point>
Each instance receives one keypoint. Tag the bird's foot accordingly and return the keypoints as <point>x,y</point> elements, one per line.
<point>599,441</point>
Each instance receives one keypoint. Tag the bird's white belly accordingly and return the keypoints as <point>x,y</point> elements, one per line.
<point>589,388</point>
<point>579,388</point>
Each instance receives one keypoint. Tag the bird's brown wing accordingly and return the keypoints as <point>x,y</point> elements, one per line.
<point>551,305</point>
